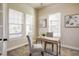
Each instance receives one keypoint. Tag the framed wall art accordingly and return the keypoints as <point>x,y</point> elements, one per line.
<point>43,23</point>
<point>72,21</point>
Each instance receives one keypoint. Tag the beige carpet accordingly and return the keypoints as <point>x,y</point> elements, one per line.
<point>23,51</point>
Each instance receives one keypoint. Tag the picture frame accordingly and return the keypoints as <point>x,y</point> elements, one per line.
<point>72,21</point>
<point>43,23</point>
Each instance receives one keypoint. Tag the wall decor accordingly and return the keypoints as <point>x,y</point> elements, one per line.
<point>43,23</point>
<point>72,21</point>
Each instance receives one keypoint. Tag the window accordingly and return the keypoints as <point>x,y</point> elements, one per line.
<point>29,24</point>
<point>15,23</point>
<point>54,24</point>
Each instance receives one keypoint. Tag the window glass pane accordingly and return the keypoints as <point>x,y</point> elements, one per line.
<point>13,28</point>
<point>27,29</point>
<point>56,34</point>
<point>15,35</point>
<point>54,24</point>
<point>29,19</point>
<point>15,16</point>
<point>29,25</point>
<point>15,23</point>
<point>11,20</point>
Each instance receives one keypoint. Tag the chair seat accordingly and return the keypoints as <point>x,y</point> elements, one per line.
<point>37,48</point>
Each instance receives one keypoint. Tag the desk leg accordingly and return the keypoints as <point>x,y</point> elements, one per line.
<point>57,50</point>
<point>52,47</point>
<point>60,48</point>
<point>45,46</point>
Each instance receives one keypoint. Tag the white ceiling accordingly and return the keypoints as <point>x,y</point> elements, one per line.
<point>38,5</point>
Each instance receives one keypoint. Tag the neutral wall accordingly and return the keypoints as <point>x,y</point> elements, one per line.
<point>69,36</point>
<point>12,43</point>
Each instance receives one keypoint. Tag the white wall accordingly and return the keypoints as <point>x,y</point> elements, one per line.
<point>12,43</point>
<point>69,36</point>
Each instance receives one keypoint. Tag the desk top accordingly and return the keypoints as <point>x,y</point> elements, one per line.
<point>44,38</point>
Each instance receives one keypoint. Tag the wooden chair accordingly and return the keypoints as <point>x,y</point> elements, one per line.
<point>49,34</point>
<point>34,47</point>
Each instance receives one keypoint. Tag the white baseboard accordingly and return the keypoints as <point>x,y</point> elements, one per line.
<point>71,47</point>
<point>16,47</point>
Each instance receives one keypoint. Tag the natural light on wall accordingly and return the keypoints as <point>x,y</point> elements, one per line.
<point>54,24</point>
<point>15,23</point>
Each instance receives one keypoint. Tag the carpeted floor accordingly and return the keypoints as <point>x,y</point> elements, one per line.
<point>23,51</point>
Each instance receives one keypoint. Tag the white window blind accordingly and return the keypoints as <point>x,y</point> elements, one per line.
<point>54,24</point>
<point>15,23</point>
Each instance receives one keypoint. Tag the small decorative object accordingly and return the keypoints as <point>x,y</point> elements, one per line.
<point>43,34</point>
<point>72,21</point>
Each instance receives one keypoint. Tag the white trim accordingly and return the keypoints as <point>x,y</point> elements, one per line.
<point>71,47</point>
<point>16,47</point>
<point>74,48</point>
<point>4,44</point>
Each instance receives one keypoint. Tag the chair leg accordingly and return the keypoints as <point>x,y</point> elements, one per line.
<point>36,41</point>
<point>59,48</point>
<point>30,54</point>
<point>42,53</point>
<point>41,42</point>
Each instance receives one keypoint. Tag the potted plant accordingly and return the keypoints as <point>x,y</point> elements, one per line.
<point>43,34</point>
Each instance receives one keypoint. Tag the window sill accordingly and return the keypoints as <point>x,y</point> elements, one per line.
<point>17,38</point>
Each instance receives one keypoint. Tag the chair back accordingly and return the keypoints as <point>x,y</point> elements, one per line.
<point>29,42</point>
<point>49,34</point>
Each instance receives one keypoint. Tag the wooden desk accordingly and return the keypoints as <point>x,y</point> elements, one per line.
<point>51,40</point>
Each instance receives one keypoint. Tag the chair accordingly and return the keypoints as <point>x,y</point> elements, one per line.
<point>49,34</point>
<point>34,47</point>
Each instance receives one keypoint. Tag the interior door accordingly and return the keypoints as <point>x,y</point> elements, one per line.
<point>1,42</point>
<point>3,29</point>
